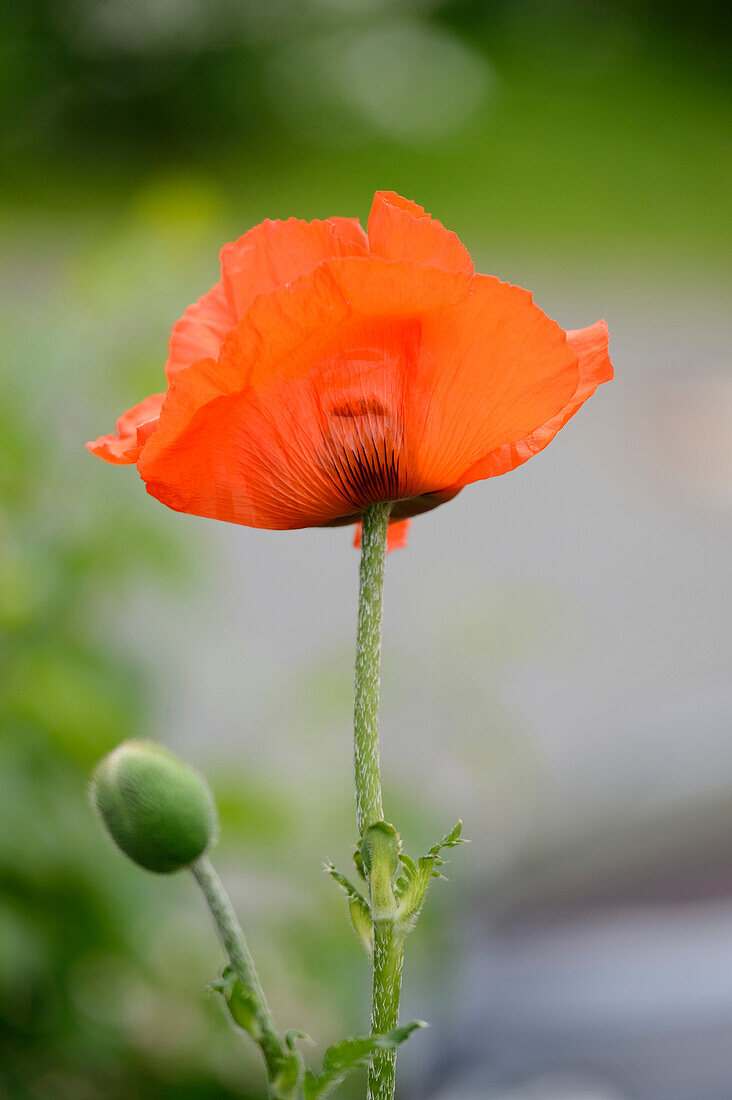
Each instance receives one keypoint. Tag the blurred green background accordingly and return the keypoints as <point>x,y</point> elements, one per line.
<point>586,142</point>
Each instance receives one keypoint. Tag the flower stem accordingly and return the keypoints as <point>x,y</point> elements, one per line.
<point>388,941</point>
<point>375,521</point>
<point>276,1055</point>
<point>387,984</point>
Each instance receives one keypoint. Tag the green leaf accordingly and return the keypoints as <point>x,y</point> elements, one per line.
<point>343,1058</point>
<point>409,865</point>
<point>380,843</point>
<point>285,1085</point>
<point>358,907</point>
<point>363,925</point>
<point>414,882</point>
<point>380,847</point>
<point>449,840</point>
<point>345,884</point>
<point>292,1036</point>
<point>358,860</point>
<point>239,1001</point>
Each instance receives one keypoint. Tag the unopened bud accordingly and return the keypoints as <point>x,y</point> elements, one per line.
<point>158,810</point>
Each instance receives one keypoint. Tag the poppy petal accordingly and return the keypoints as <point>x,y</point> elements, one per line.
<point>492,369</point>
<point>350,231</point>
<point>259,256</point>
<point>275,336</point>
<point>201,330</point>
<point>277,252</point>
<point>281,431</point>
<point>123,447</point>
<point>591,345</point>
<point>401,230</point>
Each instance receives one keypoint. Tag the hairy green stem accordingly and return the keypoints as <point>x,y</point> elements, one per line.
<point>388,960</point>
<point>235,945</point>
<point>375,522</point>
<point>388,942</point>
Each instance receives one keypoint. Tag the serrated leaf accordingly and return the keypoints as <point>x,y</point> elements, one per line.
<point>358,908</point>
<point>449,840</point>
<point>409,874</point>
<point>409,865</point>
<point>414,883</point>
<point>345,884</point>
<point>343,1058</point>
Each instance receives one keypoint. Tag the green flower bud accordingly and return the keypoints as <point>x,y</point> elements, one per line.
<point>157,810</point>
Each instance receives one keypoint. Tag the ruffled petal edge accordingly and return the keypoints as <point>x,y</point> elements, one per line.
<point>399,229</point>
<point>124,446</point>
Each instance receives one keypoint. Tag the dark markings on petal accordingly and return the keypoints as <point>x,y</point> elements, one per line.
<point>362,458</point>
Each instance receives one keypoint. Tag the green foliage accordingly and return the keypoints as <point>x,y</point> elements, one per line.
<point>240,1002</point>
<point>397,884</point>
<point>97,997</point>
<point>358,907</point>
<point>413,884</point>
<point>380,847</point>
<point>285,1066</point>
<point>285,1085</point>
<point>343,1058</point>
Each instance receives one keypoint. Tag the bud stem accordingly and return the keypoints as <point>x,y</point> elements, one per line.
<point>235,945</point>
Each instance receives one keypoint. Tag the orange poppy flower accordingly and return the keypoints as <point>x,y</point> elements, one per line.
<point>330,369</point>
